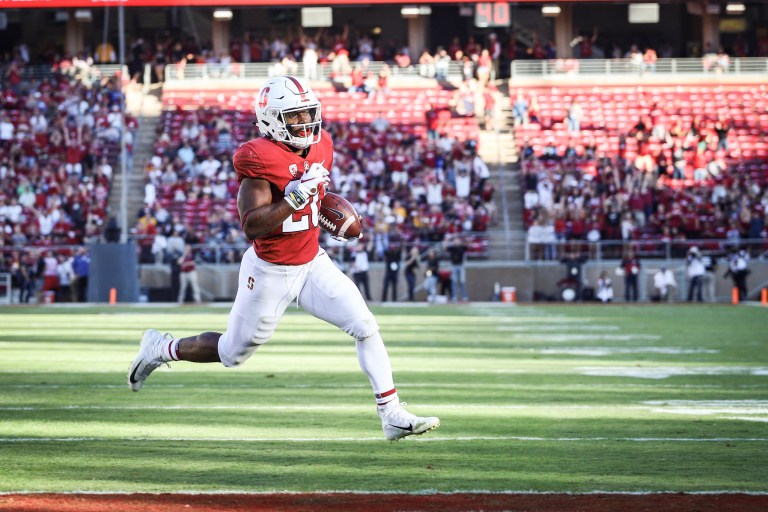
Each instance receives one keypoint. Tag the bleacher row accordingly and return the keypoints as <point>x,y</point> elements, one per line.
<point>196,200</point>
<point>676,162</point>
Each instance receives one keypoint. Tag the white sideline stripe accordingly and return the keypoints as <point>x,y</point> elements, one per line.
<point>425,492</point>
<point>467,385</point>
<point>434,439</point>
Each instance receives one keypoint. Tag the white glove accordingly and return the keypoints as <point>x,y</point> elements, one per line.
<point>299,192</point>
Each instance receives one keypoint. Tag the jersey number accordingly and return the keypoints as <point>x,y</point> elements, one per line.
<point>291,225</point>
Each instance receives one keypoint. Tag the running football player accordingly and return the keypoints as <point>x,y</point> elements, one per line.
<point>283,176</point>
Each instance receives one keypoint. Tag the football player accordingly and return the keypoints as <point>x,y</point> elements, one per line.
<point>283,176</point>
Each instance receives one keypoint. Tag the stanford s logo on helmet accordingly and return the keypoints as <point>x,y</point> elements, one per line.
<point>263,98</point>
<point>284,95</point>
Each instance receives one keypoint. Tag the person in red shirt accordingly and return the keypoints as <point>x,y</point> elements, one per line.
<point>283,176</point>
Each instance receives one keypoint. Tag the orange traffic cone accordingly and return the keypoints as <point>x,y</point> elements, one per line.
<point>113,296</point>
<point>735,295</point>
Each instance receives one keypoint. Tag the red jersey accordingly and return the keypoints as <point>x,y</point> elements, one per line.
<point>296,240</point>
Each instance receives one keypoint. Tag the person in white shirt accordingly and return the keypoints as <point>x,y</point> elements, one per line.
<point>696,272</point>
<point>209,167</point>
<point>664,282</point>
<point>360,270</point>
<point>463,182</point>
<point>480,172</point>
<point>38,122</point>
<point>604,287</point>
<point>66,276</point>
<point>7,129</point>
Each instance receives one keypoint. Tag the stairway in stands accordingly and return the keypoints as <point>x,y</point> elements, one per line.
<point>498,150</point>
<point>146,107</point>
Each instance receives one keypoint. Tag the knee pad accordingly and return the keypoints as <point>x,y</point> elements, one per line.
<point>362,327</point>
<point>240,341</point>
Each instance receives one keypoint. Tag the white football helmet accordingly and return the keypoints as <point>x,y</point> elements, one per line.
<point>281,95</point>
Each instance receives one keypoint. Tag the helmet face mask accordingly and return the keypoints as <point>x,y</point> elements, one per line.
<point>279,98</point>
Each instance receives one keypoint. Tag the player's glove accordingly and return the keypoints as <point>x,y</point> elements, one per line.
<point>299,192</point>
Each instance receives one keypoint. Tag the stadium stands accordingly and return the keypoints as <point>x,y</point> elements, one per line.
<point>651,162</point>
<point>60,143</point>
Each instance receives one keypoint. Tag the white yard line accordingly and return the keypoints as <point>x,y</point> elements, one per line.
<point>433,439</point>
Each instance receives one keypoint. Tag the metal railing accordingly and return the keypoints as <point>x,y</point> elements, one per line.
<point>264,70</point>
<point>655,249</point>
<point>682,66</point>
<point>38,72</point>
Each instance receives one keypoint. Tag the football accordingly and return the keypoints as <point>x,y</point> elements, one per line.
<point>339,218</point>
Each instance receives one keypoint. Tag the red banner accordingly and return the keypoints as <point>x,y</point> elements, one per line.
<point>55,4</point>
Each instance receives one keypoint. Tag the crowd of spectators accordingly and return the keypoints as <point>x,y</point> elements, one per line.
<point>667,176</point>
<point>59,143</point>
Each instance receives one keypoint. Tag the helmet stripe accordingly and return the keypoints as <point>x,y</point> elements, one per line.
<point>297,84</point>
<point>302,92</point>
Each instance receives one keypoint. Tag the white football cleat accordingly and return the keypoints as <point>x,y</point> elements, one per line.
<point>398,423</point>
<point>149,358</point>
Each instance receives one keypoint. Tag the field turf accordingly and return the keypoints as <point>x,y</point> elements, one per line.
<point>555,398</point>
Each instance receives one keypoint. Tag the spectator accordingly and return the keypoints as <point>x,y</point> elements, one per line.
<point>494,47</point>
<point>604,287</point>
<point>696,270</point>
<point>81,265</point>
<point>431,274</point>
<point>392,257</point>
<point>630,265</point>
<point>66,276</point>
<point>27,279</point>
<point>489,108</point>
<point>520,109</point>
<point>738,262</point>
<point>664,282</point>
<point>649,60</point>
<point>360,268</point>
<point>708,280</point>
<point>411,265</point>
<point>50,274</point>
<point>188,275</point>
<point>456,246</point>
<point>442,64</point>
<point>426,64</point>
<point>574,115</point>
<point>480,172</point>
<point>105,53</point>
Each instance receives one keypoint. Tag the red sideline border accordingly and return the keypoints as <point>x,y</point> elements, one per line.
<point>383,502</point>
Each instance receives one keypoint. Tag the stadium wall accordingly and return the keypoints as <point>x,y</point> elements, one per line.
<point>533,281</point>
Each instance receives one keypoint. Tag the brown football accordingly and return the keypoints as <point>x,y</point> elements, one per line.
<point>339,218</point>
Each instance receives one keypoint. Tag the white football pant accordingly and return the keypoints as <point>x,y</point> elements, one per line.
<point>264,292</point>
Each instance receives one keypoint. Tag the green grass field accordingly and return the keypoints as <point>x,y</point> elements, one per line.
<point>560,398</point>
